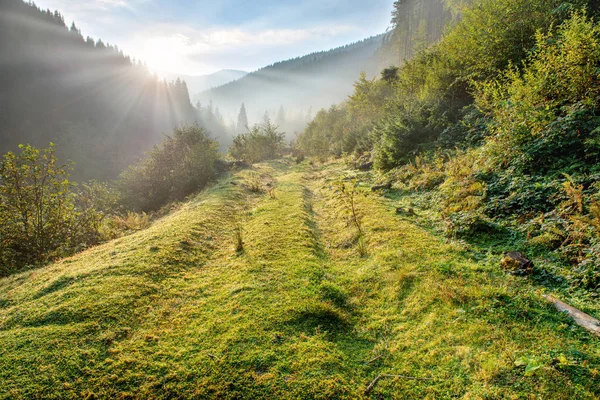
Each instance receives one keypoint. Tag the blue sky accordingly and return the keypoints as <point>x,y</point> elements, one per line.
<point>200,37</point>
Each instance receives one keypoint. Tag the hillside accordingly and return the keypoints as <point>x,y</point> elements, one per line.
<point>200,83</point>
<point>99,107</point>
<point>315,80</point>
<point>175,312</point>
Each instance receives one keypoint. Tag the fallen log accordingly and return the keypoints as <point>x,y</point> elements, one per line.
<point>582,319</point>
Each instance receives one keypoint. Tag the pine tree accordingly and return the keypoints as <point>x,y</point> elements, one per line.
<point>242,123</point>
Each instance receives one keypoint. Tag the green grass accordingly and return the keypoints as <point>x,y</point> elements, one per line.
<point>175,311</point>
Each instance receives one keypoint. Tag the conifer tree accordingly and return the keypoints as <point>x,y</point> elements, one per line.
<point>242,122</point>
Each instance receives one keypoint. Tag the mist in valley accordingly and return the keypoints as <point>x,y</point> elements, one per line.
<point>291,92</point>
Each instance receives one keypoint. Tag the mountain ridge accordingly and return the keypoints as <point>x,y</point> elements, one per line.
<point>326,76</point>
<point>200,83</point>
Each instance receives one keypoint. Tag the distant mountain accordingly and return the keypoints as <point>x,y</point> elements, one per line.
<point>313,81</point>
<point>200,83</point>
<point>98,107</point>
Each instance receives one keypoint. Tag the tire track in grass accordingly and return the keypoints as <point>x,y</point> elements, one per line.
<point>249,325</point>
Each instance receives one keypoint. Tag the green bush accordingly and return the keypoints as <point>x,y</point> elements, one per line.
<point>42,214</point>
<point>263,142</point>
<point>544,118</point>
<point>402,136</point>
<point>587,272</point>
<point>182,164</point>
<point>494,34</point>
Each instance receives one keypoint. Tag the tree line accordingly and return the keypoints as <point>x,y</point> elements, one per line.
<point>45,216</point>
<point>101,108</point>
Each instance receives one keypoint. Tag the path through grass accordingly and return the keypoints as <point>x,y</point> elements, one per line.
<point>176,312</point>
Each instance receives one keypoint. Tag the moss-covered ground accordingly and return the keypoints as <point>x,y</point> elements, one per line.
<point>175,311</point>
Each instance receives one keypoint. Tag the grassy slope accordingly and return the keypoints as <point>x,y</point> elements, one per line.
<point>174,312</point>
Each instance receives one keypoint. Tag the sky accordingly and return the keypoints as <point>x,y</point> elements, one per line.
<point>201,37</point>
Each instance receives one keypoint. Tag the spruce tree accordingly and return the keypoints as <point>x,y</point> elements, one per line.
<point>242,123</point>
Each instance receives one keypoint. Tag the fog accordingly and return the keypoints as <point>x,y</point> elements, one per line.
<point>99,107</point>
<point>299,87</point>
<point>104,110</point>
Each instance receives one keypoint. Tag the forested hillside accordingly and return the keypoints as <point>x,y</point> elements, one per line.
<point>98,106</point>
<point>495,125</point>
<point>315,80</point>
<point>200,83</point>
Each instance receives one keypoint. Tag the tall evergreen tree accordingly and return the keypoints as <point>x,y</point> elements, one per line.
<point>242,122</point>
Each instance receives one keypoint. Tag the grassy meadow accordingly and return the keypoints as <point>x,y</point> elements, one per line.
<point>176,311</point>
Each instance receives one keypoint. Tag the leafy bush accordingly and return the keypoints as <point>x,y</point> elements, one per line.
<point>263,142</point>
<point>401,136</point>
<point>42,215</point>
<point>494,34</point>
<point>587,272</point>
<point>181,164</point>
<point>545,118</point>
<point>423,173</point>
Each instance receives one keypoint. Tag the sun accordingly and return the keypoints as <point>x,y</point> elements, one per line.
<point>164,54</point>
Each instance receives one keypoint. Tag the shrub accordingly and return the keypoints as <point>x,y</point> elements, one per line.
<point>425,172</point>
<point>587,272</point>
<point>182,164</point>
<point>464,194</point>
<point>42,216</point>
<point>254,182</point>
<point>493,34</point>
<point>347,198</point>
<point>263,142</point>
<point>119,225</point>
<point>545,117</point>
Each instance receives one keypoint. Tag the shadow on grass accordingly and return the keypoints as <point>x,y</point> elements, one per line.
<point>61,283</point>
<point>321,316</point>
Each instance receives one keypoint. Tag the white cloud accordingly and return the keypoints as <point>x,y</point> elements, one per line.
<point>151,31</point>
<point>175,48</point>
<point>194,38</point>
